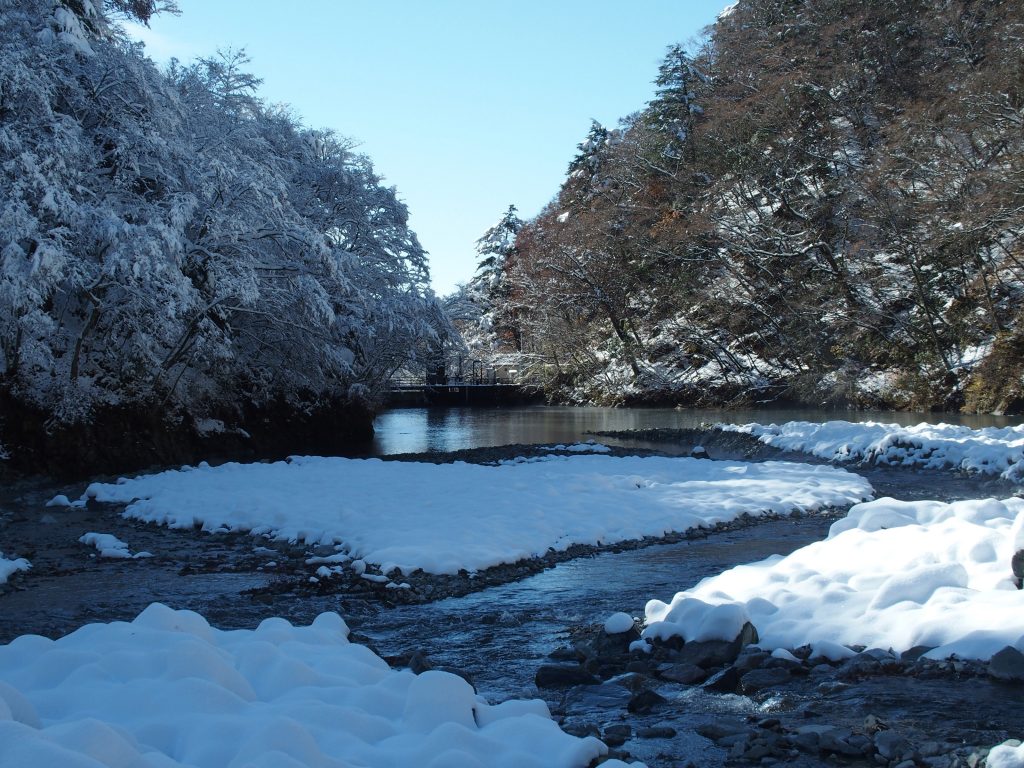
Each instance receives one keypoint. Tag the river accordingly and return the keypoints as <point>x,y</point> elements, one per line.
<point>501,634</point>
<point>418,430</point>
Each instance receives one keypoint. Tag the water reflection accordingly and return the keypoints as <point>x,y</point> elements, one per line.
<point>415,430</point>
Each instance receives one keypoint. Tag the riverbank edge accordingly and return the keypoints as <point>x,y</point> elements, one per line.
<point>135,438</point>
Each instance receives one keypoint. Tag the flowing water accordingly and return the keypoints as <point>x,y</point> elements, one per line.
<point>500,635</point>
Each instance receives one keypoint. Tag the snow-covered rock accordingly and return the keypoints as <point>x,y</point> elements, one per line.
<point>12,566</point>
<point>618,623</point>
<point>108,545</point>
<point>892,574</point>
<point>168,690</point>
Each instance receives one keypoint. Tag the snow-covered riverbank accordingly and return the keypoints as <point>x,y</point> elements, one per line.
<point>452,516</point>
<point>445,518</point>
<point>890,575</point>
<point>990,451</point>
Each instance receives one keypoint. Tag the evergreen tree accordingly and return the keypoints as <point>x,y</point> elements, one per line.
<point>674,109</point>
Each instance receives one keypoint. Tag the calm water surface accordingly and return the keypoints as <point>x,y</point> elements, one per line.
<point>416,430</point>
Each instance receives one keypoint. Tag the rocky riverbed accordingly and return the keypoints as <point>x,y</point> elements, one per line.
<point>514,629</point>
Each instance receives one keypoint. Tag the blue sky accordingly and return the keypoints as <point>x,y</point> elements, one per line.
<point>466,107</point>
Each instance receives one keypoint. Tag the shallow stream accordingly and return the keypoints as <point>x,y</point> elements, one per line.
<point>500,635</point>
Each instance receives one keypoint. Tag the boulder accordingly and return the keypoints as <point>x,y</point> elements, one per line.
<point>616,735</point>
<point>722,728</point>
<point>726,681</point>
<point>687,674</point>
<point>717,653</point>
<point>892,746</point>
<point>1007,665</point>
<point>559,675</point>
<point>645,701</point>
<point>757,679</point>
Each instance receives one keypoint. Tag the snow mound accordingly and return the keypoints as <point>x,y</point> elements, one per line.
<point>169,690</point>
<point>987,451</point>
<point>10,567</point>
<point>108,545</point>
<point>618,623</point>
<point>892,574</point>
<point>443,518</point>
<point>1009,754</point>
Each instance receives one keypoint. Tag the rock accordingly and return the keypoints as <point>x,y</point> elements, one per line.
<point>604,646</point>
<point>821,670</point>
<point>836,742</point>
<point>619,623</point>
<point>858,667</point>
<point>656,732</point>
<point>645,701</point>
<point>726,681</point>
<point>708,653</point>
<point>915,653</point>
<point>557,675</point>
<point>581,730</point>
<point>861,743</point>
<point>603,696</point>
<point>721,728</point>
<point>699,452</point>
<point>757,679</point>
<point>418,663</point>
<point>806,742</point>
<point>632,681</point>
<point>717,653</point>
<point>687,674</point>
<point>563,654</point>
<point>616,735</point>
<point>750,658</point>
<point>1017,566</point>
<point>873,724</point>
<point>1007,665</point>
<point>640,666</point>
<point>892,746</point>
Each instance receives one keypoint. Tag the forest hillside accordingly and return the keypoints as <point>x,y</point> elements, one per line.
<point>823,203</point>
<point>181,262</point>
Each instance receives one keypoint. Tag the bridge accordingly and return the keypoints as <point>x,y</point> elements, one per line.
<point>458,392</point>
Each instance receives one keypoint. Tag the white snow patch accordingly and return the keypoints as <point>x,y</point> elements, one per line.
<point>993,450</point>
<point>892,574</point>
<point>168,690</point>
<point>10,567</point>
<point>618,623</point>
<point>444,518</point>
<point>1009,754</point>
<point>109,545</point>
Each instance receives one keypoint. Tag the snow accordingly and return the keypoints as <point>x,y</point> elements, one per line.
<point>109,545</point>
<point>891,574</point>
<point>167,689</point>
<point>618,623</point>
<point>993,450</point>
<point>444,518</point>
<point>10,567</point>
<point>1009,754</point>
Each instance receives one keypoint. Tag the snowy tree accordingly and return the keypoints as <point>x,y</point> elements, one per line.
<point>169,243</point>
<point>674,109</point>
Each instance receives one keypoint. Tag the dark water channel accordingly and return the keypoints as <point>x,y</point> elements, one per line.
<point>500,635</point>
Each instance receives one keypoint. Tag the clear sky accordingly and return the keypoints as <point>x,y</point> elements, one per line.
<point>466,107</point>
